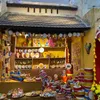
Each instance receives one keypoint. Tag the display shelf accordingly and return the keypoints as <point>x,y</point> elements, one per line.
<point>58,58</point>
<point>38,58</point>
<point>23,58</point>
<point>40,47</point>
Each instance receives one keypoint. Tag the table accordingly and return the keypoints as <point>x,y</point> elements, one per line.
<point>31,98</point>
<point>26,86</point>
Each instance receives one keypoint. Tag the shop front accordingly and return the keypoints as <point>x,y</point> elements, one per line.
<point>32,44</point>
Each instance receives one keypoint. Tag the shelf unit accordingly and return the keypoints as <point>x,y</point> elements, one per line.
<point>50,62</point>
<point>4,55</point>
<point>40,47</point>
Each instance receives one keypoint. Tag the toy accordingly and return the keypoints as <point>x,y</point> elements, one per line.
<point>64,76</point>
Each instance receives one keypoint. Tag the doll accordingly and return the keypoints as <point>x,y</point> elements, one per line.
<point>64,76</point>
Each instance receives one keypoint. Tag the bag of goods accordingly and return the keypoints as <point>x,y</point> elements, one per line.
<point>33,93</point>
<point>79,98</point>
<point>60,96</point>
<point>48,94</point>
<point>17,93</point>
<point>2,96</point>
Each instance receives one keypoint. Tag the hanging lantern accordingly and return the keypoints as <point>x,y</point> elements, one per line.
<point>49,35</point>
<point>44,35</point>
<point>78,34</point>
<point>23,33</point>
<point>60,35</point>
<point>70,34</point>
<point>10,32</point>
<point>6,31</point>
<point>74,34</point>
<point>33,34</point>
<point>17,33</point>
<point>82,34</point>
<point>65,35</point>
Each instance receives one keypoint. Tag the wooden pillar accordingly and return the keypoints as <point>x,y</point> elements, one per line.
<point>12,58</point>
<point>69,47</point>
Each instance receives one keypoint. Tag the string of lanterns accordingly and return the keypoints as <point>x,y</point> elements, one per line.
<point>94,69</point>
<point>45,35</point>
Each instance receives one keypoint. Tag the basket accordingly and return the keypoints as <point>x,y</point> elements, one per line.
<point>60,96</point>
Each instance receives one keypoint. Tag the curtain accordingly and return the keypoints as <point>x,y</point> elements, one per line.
<point>97,61</point>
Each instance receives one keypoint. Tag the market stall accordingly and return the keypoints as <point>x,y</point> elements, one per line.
<point>39,54</point>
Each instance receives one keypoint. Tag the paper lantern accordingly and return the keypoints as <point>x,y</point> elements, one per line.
<point>60,35</point>
<point>44,35</point>
<point>10,32</point>
<point>65,35</point>
<point>78,34</point>
<point>17,33</point>
<point>74,34</point>
<point>70,34</point>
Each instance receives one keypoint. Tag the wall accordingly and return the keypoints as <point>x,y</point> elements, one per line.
<point>76,53</point>
<point>88,58</point>
<point>3,7</point>
<point>89,38</point>
<point>86,5</point>
<point>24,10</point>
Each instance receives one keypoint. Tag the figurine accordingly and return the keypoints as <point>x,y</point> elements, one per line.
<point>64,76</point>
<point>51,43</point>
<point>69,70</point>
<point>44,78</point>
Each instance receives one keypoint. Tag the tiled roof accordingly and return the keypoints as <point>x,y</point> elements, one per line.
<point>42,5</point>
<point>10,19</point>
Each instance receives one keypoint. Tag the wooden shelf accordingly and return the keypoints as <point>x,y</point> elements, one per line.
<point>37,58</point>
<point>58,58</point>
<point>23,58</point>
<point>40,47</point>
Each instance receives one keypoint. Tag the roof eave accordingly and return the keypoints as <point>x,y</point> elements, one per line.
<point>42,6</point>
<point>45,29</point>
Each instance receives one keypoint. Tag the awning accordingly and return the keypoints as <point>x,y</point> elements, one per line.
<point>66,23</point>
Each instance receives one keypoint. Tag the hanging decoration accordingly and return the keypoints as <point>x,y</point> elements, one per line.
<point>74,34</point>
<point>78,34</point>
<point>60,35</point>
<point>70,34</point>
<point>94,69</point>
<point>88,47</point>
<point>10,32</point>
<point>17,33</point>
<point>44,35</point>
<point>98,34</point>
